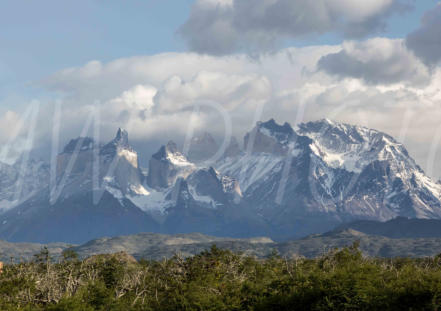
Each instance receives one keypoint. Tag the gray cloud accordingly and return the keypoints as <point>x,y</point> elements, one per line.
<point>224,26</point>
<point>426,40</point>
<point>376,61</point>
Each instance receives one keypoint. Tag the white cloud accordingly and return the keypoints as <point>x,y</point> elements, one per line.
<point>153,97</point>
<point>8,121</point>
<point>14,130</point>
<point>136,92</point>
<point>223,27</point>
<point>108,81</point>
<point>138,98</point>
<point>228,90</point>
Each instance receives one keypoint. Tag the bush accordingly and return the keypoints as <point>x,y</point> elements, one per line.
<point>218,279</point>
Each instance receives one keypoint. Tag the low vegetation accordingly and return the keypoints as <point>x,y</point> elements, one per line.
<point>217,279</point>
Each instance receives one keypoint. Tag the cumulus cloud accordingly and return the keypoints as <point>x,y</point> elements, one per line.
<point>426,40</point>
<point>165,111</point>
<point>163,90</point>
<point>97,80</point>
<point>138,99</point>
<point>224,26</point>
<point>154,96</point>
<point>376,61</point>
<point>14,130</point>
<point>230,91</point>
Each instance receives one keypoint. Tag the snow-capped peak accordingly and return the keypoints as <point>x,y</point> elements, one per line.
<point>352,147</point>
<point>166,166</point>
<point>170,153</point>
<point>282,133</point>
<point>270,137</point>
<point>119,143</point>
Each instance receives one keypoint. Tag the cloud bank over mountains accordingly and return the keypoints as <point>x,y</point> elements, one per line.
<point>388,84</point>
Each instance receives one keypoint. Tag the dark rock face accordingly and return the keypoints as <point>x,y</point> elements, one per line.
<point>211,184</point>
<point>121,141</point>
<point>166,165</point>
<point>116,165</point>
<point>269,137</point>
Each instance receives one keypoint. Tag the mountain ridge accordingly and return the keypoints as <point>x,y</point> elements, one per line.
<point>285,183</point>
<point>155,246</point>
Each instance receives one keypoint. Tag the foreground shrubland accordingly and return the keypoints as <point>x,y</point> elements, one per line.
<point>221,280</point>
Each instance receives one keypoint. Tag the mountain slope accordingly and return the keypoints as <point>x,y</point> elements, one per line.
<point>73,220</point>
<point>20,181</point>
<point>323,173</point>
<point>77,211</point>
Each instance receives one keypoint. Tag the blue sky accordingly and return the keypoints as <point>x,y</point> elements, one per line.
<point>41,37</point>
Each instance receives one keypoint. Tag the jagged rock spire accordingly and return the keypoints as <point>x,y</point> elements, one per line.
<point>122,138</point>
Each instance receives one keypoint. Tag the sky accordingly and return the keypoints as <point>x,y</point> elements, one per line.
<point>40,38</point>
<point>149,63</point>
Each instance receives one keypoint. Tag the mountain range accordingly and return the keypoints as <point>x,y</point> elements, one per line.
<point>283,182</point>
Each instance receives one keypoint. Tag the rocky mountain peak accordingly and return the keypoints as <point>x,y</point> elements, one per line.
<point>120,142</point>
<point>171,147</point>
<point>165,151</point>
<point>166,165</point>
<point>330,132</point>
<point>270,137</point>
<point>202,147</point>
<point>353,147</point>
<point>271,128</point>
<point>122,138</point>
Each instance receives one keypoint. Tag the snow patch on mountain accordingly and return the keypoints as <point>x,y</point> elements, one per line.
<point>209,201</point>
<point>249,169</point>
<point>180,160</point>
<point>349,161</point>
<point>6,205</point>
<point>151,201</point>
<point>130,156</point>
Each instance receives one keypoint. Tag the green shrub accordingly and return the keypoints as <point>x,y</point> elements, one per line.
<point>218,279</point>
